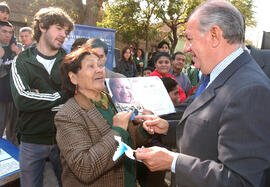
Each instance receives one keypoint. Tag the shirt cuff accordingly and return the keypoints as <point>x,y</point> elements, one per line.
<point>175,156</point>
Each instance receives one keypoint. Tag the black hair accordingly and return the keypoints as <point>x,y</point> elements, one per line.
<point>162,43</point>
<point>169,83</point>
<point>97,43</point>
<point>160,54</point>
<point>4,7</point>
<point>78,42</point>
<point>177,53</point>
<point>5,23</point>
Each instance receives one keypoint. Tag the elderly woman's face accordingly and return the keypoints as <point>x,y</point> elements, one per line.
<point>163,65</point>
<point>91,75</point>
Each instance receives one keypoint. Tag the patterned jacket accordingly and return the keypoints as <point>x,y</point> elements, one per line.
<point>87,145</point>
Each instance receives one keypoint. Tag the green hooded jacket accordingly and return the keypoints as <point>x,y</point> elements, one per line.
<point>36,119</point>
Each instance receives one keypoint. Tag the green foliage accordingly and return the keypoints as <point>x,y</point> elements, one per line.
<point>81,13</point>
<point>246,8</point>
<point>131,21</point>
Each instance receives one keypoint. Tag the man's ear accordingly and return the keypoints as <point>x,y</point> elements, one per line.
<point>73,78</point>
<point>215,35</point>
<point>42,29</point>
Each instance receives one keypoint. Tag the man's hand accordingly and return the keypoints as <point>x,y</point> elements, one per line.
<point>15,48</point>
<point>155,158</point>
<point>138,121</point>
<point>154,124</point>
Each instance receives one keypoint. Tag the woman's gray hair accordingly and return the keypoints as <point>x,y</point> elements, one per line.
<point>224,15</point>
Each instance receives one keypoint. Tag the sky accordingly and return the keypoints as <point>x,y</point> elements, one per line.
<point>262,16</point>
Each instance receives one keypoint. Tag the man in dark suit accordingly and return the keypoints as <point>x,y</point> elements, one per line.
<point>223,138</point>
<point>262,57</point>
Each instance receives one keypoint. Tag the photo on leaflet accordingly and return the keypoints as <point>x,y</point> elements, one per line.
<point>140,93</point>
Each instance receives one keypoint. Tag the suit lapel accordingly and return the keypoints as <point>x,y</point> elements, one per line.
<point>210,92</point>
<point>201,100</point>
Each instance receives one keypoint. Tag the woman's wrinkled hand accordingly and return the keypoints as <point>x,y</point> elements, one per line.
<point>121,119</point>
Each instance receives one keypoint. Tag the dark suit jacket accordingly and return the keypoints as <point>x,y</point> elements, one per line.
<point>224,135</point>
<point>262,57</point>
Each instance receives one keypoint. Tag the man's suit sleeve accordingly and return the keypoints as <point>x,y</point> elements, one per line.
<point>243,145</point>
<point>170,137</point>
<point>27,99</point>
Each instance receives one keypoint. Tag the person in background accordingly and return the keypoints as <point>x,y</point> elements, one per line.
<point>162,46</point>
<point>26,37</point>
<point>172,89</point>
<point>229,116</point>
<point>4,15</point>
<point>87,125</point>
<point>127,66</point>
<point>261,56</point>
<point>8,112</point>
<point>4,11</point>
<point>147,71</point>
<point>101,48</point>
<point>163,65</point>
<point>139,60</point>
<point>178,63</point>
<point>78,43</point>
<point>193,74</point>
<point>36,91</point>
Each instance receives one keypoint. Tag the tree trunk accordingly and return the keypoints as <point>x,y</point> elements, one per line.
<point>90,13</point>
<point>146,46</point>
<point>175,38</point>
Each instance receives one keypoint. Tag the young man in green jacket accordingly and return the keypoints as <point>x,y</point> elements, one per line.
<point>36,89</point>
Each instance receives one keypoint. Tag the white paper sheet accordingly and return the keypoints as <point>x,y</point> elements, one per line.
<point>7,163</point>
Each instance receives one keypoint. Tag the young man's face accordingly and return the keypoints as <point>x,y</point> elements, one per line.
<point>54,37</point>
<point>4,16</point>
<point>26,38</point>
<point>178,63</point>
<point>5,34</point>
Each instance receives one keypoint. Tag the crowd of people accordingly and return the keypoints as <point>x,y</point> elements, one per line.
<point>220,130</point>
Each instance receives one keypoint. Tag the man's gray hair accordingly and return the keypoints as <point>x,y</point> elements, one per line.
<point>224,15</point>
<point>26,29</point>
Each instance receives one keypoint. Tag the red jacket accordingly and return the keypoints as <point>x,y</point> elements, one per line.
<point>182,94</point>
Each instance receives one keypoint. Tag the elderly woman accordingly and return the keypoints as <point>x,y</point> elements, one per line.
<point>86,126</point>
<point>162,62</point>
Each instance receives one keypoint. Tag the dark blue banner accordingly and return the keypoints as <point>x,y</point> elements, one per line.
<point>85,31</point>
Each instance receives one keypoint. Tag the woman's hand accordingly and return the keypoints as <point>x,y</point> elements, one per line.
<point>121,119</point>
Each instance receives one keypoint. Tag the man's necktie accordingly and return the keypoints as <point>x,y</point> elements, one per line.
<point>202,86</point>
